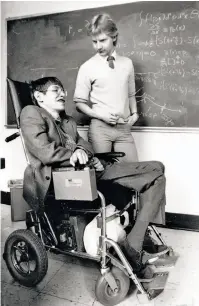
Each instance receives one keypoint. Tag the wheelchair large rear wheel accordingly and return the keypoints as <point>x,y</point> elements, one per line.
<point>26,257</point>
<point>105,295</point>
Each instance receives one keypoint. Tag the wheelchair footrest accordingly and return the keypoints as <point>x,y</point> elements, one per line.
<point>166,261</point>
<point>155,287</point>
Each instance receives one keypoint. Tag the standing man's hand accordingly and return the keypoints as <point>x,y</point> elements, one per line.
<point>79,155</point>
<point>108,117</point>
<point>131,120</point>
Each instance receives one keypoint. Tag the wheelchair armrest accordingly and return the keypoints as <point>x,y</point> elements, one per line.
<point>109,155</point>
<point>62,169</point>
<point>12,137</point>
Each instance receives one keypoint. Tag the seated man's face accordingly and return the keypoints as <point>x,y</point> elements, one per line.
<point>54,98</point>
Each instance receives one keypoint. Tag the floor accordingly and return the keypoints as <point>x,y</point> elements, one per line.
<point>71,282</point>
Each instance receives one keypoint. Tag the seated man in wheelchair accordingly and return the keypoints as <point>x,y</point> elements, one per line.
<point>52,140</point>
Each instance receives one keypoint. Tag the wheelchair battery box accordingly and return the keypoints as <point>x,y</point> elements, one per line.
<point>75,185</point>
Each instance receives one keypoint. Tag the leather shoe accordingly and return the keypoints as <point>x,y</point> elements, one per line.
<point>150,246</point>
<point>134,258</point>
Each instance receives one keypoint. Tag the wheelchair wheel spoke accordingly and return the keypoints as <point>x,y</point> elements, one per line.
<point>17,260</point>
<point>18,253</point>
<point>22,258</point>
<point>27,263</point>
<point>18,249</point>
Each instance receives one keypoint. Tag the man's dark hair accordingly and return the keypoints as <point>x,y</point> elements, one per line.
<point>42,85</point>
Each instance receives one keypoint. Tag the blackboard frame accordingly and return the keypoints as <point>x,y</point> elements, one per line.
<point>135,128</point>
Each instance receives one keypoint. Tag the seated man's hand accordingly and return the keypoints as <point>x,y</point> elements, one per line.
<point>97,164</point>
<point>80,156</point>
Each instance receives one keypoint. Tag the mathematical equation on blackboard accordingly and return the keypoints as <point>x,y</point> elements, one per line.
<point>163,46</point>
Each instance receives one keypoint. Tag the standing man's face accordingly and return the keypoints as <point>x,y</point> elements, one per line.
<point>103,44</point>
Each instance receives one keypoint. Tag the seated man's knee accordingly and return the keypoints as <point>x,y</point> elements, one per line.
<point>159,166</point>
<point>161,180</point>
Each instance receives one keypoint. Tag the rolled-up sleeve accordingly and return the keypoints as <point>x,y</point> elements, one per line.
<point>83,85</point>
<point>131,81</point>
<point>131,89</point>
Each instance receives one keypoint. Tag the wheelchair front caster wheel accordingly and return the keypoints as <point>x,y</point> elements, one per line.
<point>105,295</point>
<point>25,257</point>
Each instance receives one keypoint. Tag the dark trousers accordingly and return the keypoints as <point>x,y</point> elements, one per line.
<point>119,179</point>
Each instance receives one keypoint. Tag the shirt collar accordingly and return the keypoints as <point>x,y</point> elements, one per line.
<point>55,116</point>
<point>114,54</point>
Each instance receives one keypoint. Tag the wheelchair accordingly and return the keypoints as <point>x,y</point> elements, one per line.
<point>26,250</point>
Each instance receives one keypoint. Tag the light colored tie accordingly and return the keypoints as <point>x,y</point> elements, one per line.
<point>110,60</point>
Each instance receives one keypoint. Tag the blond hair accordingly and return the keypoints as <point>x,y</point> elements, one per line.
<point>103,23</point>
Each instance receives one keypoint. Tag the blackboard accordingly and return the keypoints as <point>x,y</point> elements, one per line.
<point>161,38</point>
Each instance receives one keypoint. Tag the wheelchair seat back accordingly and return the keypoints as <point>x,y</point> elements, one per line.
<point>20,96</point>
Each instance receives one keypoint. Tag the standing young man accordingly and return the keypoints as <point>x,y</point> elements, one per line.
<point>107,81</point>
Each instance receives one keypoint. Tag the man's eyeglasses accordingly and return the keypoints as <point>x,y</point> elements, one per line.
<point>57,90</point>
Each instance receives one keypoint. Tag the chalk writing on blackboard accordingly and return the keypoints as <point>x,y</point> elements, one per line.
<point>161,38</point>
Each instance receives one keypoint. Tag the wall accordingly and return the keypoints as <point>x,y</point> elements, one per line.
<point>179,151</point>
